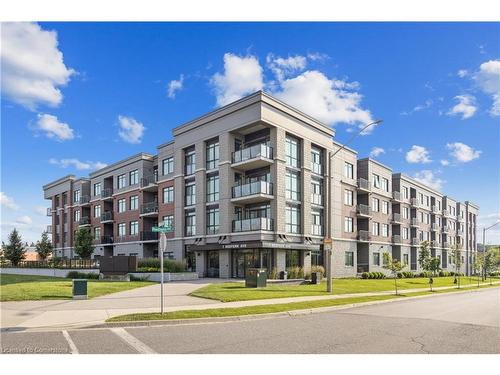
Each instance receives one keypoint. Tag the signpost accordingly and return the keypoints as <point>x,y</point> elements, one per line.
<point>327,245</point>
<point>162,229</point>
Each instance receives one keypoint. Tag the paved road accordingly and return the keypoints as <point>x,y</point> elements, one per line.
<point>450,323</point>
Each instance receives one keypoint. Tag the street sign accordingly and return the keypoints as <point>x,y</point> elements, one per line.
<point>163,242</point>
<point>327,241</point>
<point>162,229</point>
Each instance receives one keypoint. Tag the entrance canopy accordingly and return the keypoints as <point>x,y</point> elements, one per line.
<point>255,245</point>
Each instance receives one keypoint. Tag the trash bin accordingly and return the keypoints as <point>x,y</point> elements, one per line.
<point>316,277</point>
<point>256,278</point>
<point>79,288</point>
<point>283,275</point>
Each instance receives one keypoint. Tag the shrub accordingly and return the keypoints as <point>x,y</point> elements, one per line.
<point>400,275</point>
<point>136,278</point>
<point>273,274</point>
<point>153,265</point>
<point>82,275</point>
<point>364,275</point>
<point>495,273</point>
<point>320,269</point>
<point>295,272</point>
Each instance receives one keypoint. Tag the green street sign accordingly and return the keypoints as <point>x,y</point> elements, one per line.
<point>162,229</point>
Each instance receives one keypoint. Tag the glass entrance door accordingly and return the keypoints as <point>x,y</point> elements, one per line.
<point>245,259</point>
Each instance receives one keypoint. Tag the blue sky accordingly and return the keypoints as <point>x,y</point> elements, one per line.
<point>76,96</point>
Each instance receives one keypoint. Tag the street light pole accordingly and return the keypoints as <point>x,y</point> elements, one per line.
<point>327,243</point>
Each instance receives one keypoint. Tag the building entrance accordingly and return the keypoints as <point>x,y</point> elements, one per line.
<point>242,260</point>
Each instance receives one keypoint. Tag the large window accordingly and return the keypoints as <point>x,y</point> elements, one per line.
<point>292,185</point>
<point>317,223</point>
<point>376,180</point>
<point>292,149</point>
<point>212,154</point>
<point>122,205</point>
<point>317,192</point>
<point>376,259</point>
<point>134,202</point>
<point>385,230</point>
<point>97,189</point>
<point>212,188</point>
<point>168,221</point>
<point>76,196</point>
<point>77,215</point>
<point>348,224</point>
<point>190,223</point>
<point>213,220</point>
<point>316,160</point>
<point>405,233</point>
<point>385,207</point>
<point>134,177</point>
<point>348,170</point>
<point>406,193</point>
<point>121,181</point>
<point>122,229</point>
<point>376,229</point>
<point>167,166</point>
<point>134,228</point>
<point>292,258</point>
<point>406,213</point>
<point>292,219</point>
<point>189,161</point>
<point>349,259</point>
<point>385,184</point>
<point>405,259</point>
<point>348,197</point>
<point>97,211</point>
<point>375,205</point>
<point>168,194</point>
<point>97,233</point>
<point>190,193</point>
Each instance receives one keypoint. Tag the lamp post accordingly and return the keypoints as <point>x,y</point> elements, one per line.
<point>327,243</point>
<point>484,238</point>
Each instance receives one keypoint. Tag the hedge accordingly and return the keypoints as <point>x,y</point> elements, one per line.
<point>153,265</point>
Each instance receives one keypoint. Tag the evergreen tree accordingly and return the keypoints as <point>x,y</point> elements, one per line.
<point>14,250</point>
<point>83,243</point>
<point>44,247</point>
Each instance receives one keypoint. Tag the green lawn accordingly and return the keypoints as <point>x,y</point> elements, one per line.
<point>236,291</point>
<point>275,308</point>
<point>25,287</point>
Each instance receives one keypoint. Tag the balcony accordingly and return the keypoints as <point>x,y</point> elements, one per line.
<point>415,242</point>
<point>363,185</point>
<point>107,194</point>
<point>435,227</point>
<point>107,217</point>
<point>396,195</point>
<point>434,243</point>
<point>363,210</point>
<point>445,212</point>
<point>149,236</point>
<point>396,238</point>
<point>49,211</point>
<point>414,202</point>
<point>254,224</point>
<point>106,240</point>
<point>252,192</point>
<point>415,222</point>
<point>435,210</point>
<point>396,218</point>
<point>149,209</point>
<point>252,157</point>
<point>84,200</point>
<point>446,244</point>
<point>460,233</point>
<point>127,238</point>
<point>84,221</point>
<point>364,236</point>
<point>316,230</point>
<point>49,229</point>
<point>150,183</point>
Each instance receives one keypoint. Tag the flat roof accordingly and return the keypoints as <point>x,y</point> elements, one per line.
<point>415,182</point>
<point>59,181</point>
<point>376,162</point>
<point>131,159</point>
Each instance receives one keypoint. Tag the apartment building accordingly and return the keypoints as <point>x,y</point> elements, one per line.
<point>256,183</point>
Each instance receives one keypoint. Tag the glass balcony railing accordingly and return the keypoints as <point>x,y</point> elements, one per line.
<point>84,221</point>
<point>396,217</point>
<point>252,152</point>
<point>254,224</point>
<point>149,208</point>
<point>107,216</point>
<point>396,238</point>
<point>149,180</point>
<point>363,184</point>
<point>363,209</point>
<point>149,236</point>
<point>257,187</point>
<point>106,193</point>
<point>364,235</point>
<point>396,195</point>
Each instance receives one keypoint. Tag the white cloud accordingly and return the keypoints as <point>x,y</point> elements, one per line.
<point>53,128</point>
<point>462,153</point>
<point>418,154</point>
<point>24,220</point>
<point>283,67</point>
<point>41,210</point>
<point>445,162</point>
<point>488,80</point>
<point>131,131</point>
<point>462,73</point>
<point>174,86</point>
<point>79,165</point>
<point>428,103</point>
<point>242,76</point>
<point>376,151</point>
<point>317,56</point>
<point>32,65</point>
<point>466,106</point>
<point>7,201</point>
<point>427,177</point>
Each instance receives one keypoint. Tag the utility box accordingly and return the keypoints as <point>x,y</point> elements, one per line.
<point>256,278</point>
<point>80,288</point>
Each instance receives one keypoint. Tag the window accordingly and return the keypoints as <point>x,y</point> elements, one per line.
<point>122,229</point>
<point>292,219</point>
<point>406,213</point>
<point>77,215</point>
<point>122,205</point>
<point>134,228</point>
<point>190,223</point>
<point>213,220</point>
<point>97,189</point>
<point>385,230</point>
<point>385,207</point>
<point>167,166</point>
<point>376,259</point>
<point>406,192</point>
<point>97,233</point>
<point>189,161</point>
<point>348,197</point>
<point>212,154</point>
<point>385,184</point>
<point>134,177</point>
<point>348,228</point>
<point>405,233</point>
<point>190,193</point>
<point>292,258</point>
<point>121,181</point>
<point>349,259</point>
<point>213,188</point>
<point>97,211</point>
<point>316,192</point>
<point>317,223</point>
<point>376,180</point>
<point>348,170</point>
<point>168,194</point>
<point>292,152</point>
<point>134,202</point>
<point>376,229</point>
<point>76,196</point>
<point>168,221</point>
<point>405,259</point>
<point>421,199</point>
<point>316,160</point>
<point>427,201</point>
<point>292,185</point>
<point>375,205</point>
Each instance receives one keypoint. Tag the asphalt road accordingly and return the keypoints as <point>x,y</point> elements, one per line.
<point>448,323</point>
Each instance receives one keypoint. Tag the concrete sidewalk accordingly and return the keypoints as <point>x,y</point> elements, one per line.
<point>72,314</point>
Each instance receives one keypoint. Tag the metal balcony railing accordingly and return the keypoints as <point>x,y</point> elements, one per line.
<point>316,229</point>
<point>85,220</point>
<point>49,211</point>
<point>254,224</point>
<point>149,208</point>
<point>415,222</point>
<point>414,202</point>
<point>445,212</point>
<point>363,209</point>
<point>149,236</point>
<point>435,210</point>
<point>364,235</point>
<point>107,216</point>
<point>127,238</point>
<point>252,152</point>
<point>84,199</point>
<point>149,180</point>
<point>106,193</point>
<point>106,239</point>
<point>396,217</point>
<point>396,238</point>
<point>415,241</point>
<point>363,184</point>
<point>257,187</point>
<point>396,195</point>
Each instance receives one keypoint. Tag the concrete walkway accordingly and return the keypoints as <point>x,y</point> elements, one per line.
<point>72,314</point>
